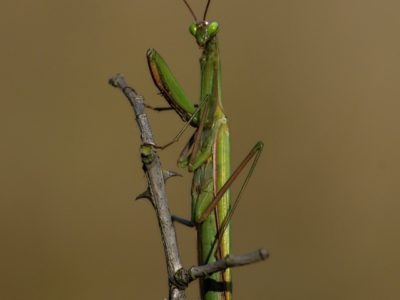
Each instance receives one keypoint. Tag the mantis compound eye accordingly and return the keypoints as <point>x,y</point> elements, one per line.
<point>193,29</point>
<point>213,28</point>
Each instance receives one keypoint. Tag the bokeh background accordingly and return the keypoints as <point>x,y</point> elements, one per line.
<point>317,81</point>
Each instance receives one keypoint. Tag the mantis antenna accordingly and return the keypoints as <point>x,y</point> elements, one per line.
<point>191,10</point>
<point>194,15</point>
<point>206,10</point>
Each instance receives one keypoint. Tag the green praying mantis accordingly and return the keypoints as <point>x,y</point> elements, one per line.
<point>207,154</point>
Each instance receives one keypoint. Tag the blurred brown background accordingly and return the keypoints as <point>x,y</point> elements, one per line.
<point>317,81</point>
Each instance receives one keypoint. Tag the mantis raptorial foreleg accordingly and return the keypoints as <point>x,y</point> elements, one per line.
<point>183,129</point>
<point>180,133</point>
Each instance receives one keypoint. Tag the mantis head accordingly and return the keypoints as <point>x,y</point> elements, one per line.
<point>203,31</point>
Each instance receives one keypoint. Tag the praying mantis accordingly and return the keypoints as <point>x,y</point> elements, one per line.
<point>207,154</point>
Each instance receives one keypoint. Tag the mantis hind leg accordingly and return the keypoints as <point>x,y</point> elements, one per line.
<point>254,155</point>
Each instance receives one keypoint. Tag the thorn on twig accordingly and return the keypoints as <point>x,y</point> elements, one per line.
<point>168,174</point>
<point>145,195</point>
